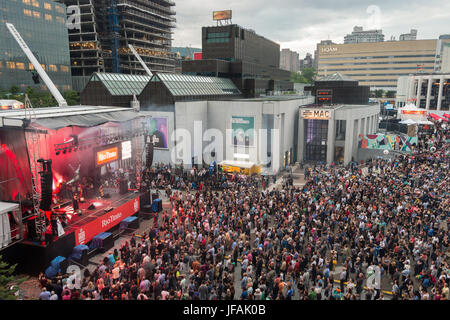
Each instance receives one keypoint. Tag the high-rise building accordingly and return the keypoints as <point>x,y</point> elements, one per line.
<point>250,60</point>
<point>359,35</point>
<point>289,60</point>
<point>42,25</point>
<point>412,35</point>
<point>308,62</point>
<point>107,27</point>
<point>316,52</point>
<point>377,64</point>
<point>441,62</point>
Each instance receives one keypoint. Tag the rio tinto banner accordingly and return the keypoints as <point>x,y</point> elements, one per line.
<point>85,234</point>
<point>222,15</point>
<point>107,156</point>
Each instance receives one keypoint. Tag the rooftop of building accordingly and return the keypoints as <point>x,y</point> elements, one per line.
<point>187,85</point>
<point>286,97</point>
<point>119,84</point>
<point>339,106</point>
<point>336,77</point>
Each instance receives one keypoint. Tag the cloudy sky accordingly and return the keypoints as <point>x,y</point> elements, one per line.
<point>300,24</point>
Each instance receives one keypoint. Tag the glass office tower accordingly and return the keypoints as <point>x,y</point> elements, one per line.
<point>42,24</point>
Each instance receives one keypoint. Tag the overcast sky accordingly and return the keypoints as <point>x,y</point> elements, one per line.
<point>301,24</point>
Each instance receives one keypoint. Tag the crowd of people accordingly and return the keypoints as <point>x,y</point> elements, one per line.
<point>319,241</point>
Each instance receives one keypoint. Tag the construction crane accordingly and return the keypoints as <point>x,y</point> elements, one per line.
<point>140,60</point>
<point>37,66</point>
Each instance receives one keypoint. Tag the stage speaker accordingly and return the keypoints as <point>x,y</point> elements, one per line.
<point>91,207</point>
<point>149,155</point>
<point>46,190</point>
<point>123,186</point>
<point>31,226</point>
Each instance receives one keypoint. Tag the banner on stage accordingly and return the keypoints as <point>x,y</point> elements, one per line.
<point>85,234</point>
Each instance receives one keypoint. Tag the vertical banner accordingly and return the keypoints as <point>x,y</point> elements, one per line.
<point>243,131</point>
<point>158,131</point>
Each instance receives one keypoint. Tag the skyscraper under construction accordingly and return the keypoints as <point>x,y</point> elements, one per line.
<point>99,43</point>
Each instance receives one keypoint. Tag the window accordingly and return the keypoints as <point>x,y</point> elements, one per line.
<point>59,9</point>
<point>47,6</point>
<point>26,1</point>
<point>52,67</point>
<point>35,3</point>
<point>1,64</point>
<point>64,68</point>
<point>60,19</point>
<point>30,66</point>
<point>10,65</point>
<point>27,12</point>
<point>48,17</point>
<point>20,65</point>
<point>36,14</point>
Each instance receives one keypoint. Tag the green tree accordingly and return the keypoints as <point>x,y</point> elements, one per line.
<point>309,74</point>
<point>8,281</point>
<point>15,90</point>
<point>72,97</point>
<point>379,93</point>
<point>390,94</point>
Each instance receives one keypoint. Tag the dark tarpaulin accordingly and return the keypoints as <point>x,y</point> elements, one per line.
<point>86,120</point>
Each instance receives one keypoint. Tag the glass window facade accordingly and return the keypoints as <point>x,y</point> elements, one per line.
<point>122,84</point>
<point>43,29</point>
<point>316,136</point>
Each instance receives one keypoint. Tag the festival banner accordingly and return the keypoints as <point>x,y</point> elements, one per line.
<point>243,130</point>
<point>85,234</point>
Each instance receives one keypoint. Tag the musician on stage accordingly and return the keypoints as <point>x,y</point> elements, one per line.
<point>75,202</point>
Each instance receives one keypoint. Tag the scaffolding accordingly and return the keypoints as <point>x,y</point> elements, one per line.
<point>33,145</point>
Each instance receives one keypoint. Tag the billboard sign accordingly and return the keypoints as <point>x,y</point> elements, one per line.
<point>85,233</point>
<point>222,15</point>
<point>243,131</point>
<point>126,150</point>
<point>158,131</point>
<point>316,114</point>
<point>107,156</point>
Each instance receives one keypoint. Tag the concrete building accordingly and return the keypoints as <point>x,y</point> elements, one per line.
<point>42,25</point>
<point>442,60</point>
<point>250,60</point>
<point>289,60</point>
<point>412,35</point>
<point>379,64</point>
<point>330,133</point>
<point>359,35</point>
<point>100,44</point>
<point>316,52</point>
<point>429,91</point>
<point>308,62</point>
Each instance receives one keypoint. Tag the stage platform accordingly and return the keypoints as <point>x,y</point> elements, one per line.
<point>34,256</point>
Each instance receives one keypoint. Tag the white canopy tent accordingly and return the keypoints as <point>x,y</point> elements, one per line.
<point>5,227</point>
<point>410,111</point>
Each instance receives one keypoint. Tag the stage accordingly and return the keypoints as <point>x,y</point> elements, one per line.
<point>34,256</point>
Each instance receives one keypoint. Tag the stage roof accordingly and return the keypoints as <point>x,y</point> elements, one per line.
<point>59,117</point>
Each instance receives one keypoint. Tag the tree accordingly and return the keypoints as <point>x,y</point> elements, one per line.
<point>72,97</point>
<point>15,90</point>
<point>8,281</point>
<point>390,94</point>
<point>309,74</point>
<point>379,93</point>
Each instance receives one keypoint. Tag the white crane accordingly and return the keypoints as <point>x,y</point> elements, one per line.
<point>140,60</point>
<point>37,66</point>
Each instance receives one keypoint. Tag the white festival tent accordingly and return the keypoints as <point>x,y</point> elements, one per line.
<point>5,227</point>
